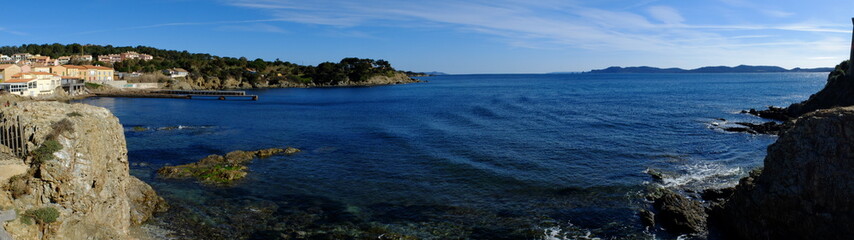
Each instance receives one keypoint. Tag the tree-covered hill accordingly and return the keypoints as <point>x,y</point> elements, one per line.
<point>209,68</point>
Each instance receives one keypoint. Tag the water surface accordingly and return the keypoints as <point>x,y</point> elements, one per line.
<point>463,156</point>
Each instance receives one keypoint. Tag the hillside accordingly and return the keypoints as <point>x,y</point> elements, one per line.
<point>209,71</point>
<point>715,69</point>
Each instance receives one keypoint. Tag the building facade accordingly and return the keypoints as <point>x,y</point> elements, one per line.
<point>8,70</point>
<point>32,84</point>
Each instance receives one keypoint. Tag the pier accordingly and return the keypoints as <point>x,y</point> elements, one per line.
<point>184,94</point>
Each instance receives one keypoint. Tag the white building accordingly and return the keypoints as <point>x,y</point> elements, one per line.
<point>32,84</point>
<point>176,72</point>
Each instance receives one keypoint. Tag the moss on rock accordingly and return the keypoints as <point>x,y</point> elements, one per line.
<point>221,170</point>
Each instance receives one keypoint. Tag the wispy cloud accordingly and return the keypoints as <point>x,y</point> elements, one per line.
<point>666,14</point>
<point>529,24</point>
<point>179,24</point>
<point>13,32</point>
<point>254,27</point>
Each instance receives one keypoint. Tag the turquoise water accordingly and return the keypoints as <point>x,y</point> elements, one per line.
<point>458,157</point>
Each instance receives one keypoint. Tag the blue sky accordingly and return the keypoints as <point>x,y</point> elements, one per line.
<point>457,36</point>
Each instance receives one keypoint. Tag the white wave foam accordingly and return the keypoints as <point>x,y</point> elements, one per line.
<point>703,174</point>
<point>556,233</point>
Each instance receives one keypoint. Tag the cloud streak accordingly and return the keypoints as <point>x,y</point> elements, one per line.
<point>5,30</point>
<point>556,23</point>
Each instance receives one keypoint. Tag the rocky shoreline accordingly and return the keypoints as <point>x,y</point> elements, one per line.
<point>804,190</point>
<point>220,84</point>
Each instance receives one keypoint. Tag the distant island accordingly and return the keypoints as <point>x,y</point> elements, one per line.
<point>715,69</point>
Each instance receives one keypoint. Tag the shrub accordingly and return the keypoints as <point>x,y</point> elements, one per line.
<point>74,114</point>
<point>45,151</point>
<point>42,216</point>
<point>59,128</point>
<point>18,186</point>
<point>93,85</point>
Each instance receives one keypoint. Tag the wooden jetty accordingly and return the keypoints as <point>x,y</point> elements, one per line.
<point>184,94</point>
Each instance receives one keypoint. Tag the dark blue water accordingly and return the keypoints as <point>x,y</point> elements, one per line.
<point>468,156</point>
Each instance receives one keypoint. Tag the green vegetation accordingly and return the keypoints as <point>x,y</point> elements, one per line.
<point>93,85</point>
<point>45,151</point>
<point>42,216</point>
<point>211,67</point>
<point>221,170</point>
<point>74,114</point>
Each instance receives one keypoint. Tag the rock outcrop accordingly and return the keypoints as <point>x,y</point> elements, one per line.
<point>222,170</point>
<point>806,189</point>
<point>836,93</point>
<point>231,83</point>
<point>678,214</point>
<point>79,167</point>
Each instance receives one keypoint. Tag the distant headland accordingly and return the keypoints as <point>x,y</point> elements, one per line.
<point>711,69</point>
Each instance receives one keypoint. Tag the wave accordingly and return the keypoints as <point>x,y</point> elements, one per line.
<point>703,175</point>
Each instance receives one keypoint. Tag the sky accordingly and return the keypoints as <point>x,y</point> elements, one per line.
<point>457,36</point>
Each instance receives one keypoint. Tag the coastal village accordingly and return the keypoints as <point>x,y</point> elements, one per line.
<point>35,75</point>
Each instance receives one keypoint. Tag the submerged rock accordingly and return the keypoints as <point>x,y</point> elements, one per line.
<point>217,169</point>
<point>771,128</point>
<point>806,188</point>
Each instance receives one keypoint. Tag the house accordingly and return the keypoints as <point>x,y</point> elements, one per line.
<point>41,60</point>
<point>71,71</point>
<point>83,58</point>
<point>129,55</point>
<point>58,70</point>
<point>32,84</point>
<point>40,68</point>
<point>63,60</point>
<point>6,59</point>
<point>97,74</point>
<point>176,72</point>
<point>25,68</point>
<point>88,73</point>
<point>8,70</point>
<point>21,56</point>
<point>136,55</point>
<point>110,58</point>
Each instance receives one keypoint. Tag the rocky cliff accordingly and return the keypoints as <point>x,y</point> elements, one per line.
<point>78,166</point>
<point>836,93</point>
<point>216,83</point>
<point>806,190</point>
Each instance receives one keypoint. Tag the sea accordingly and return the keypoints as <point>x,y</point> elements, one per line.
<point>516,156</point>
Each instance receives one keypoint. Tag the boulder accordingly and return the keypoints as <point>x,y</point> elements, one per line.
<point>678,214</point>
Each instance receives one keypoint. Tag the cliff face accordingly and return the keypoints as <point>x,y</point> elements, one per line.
<point>836,93</point>
<point>87,180</point>
<point>806,190</point>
